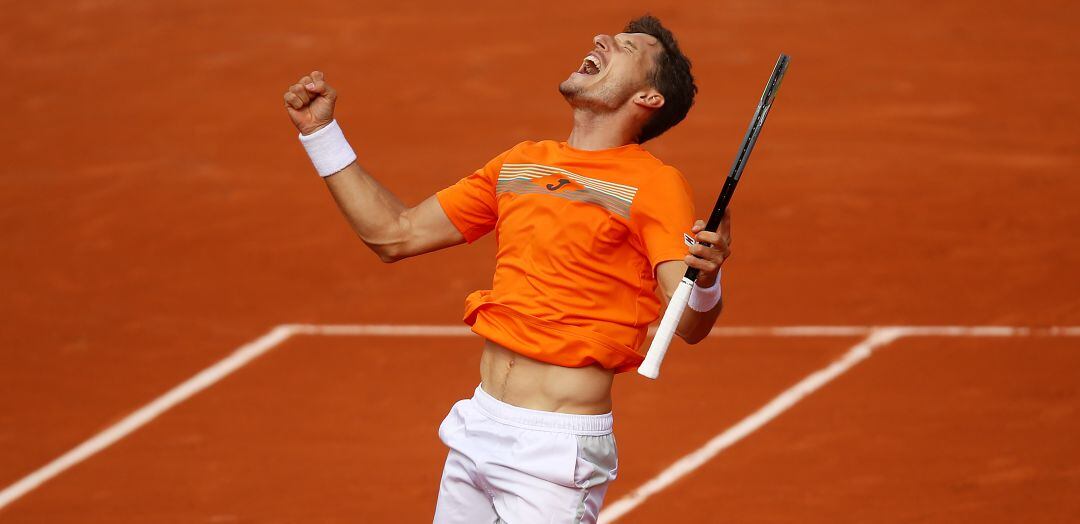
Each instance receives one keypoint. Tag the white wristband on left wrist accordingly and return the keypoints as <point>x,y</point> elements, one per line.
<point>704,299</point>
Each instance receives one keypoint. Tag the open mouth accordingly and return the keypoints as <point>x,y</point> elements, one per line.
<point>589,66</point>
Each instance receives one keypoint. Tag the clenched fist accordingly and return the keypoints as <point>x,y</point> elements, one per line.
<point>310,103</point>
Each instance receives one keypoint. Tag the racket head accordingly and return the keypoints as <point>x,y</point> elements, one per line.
<point>779,70</point>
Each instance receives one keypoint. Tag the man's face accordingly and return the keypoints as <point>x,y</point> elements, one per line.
<point>615,70</point>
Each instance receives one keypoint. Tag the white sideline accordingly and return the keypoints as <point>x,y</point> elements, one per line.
<point>423,330</point>
<point>750,424</point>
<point>876,336</point>
<point>139,418</point>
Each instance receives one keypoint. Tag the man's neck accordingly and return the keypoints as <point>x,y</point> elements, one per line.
<point>594,131</point>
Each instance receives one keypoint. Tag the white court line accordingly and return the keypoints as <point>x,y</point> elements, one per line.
<point>1068,331</point>
<point>750,424</point>
<point>422,330</point>
<point>138,419</point>
<point>248,352</point>
<point>876,338</point>
<point>382,330</point>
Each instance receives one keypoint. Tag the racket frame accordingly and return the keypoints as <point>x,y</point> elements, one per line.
<point>654,357</point>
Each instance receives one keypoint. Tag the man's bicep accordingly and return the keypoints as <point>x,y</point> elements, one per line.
<point>430,229</point>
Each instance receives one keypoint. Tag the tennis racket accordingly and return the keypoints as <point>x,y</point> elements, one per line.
<point>660,342</point>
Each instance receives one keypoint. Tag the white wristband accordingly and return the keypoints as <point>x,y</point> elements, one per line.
<point>704,299</point>
<point>328,149</point>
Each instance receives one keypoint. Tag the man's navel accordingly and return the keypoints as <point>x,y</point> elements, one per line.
<point>506,376</point>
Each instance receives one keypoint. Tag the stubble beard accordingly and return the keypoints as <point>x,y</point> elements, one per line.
<point>569,90</point>
<point>601,98</point>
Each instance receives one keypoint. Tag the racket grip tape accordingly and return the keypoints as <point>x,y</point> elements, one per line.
<point>650,367</point>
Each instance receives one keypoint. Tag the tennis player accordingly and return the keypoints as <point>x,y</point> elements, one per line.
<point>587,229</point>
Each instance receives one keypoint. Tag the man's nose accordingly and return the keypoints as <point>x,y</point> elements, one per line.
<point>602,41</point>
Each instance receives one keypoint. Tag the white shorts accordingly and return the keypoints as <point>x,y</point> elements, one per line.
<point>519,466</point>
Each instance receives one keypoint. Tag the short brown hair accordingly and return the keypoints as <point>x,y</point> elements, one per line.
<point>670,76</point>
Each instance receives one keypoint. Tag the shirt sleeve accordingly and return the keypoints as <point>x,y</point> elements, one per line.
<point>470,204</point>
<point>662,214</point>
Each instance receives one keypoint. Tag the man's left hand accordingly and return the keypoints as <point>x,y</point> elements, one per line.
<point>708,259</point>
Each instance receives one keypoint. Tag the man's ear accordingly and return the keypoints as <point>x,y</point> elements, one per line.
<point>650,99</point>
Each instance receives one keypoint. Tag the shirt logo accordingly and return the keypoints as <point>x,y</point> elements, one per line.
<point>562,182</point>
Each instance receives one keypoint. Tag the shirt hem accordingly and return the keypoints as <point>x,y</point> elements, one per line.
<point>627,360</point>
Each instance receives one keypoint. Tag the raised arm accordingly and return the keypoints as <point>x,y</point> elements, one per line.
<point>390,228</point>
<point>695,325</point>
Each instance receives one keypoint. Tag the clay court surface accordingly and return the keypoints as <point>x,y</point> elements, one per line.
<point>919,169</point>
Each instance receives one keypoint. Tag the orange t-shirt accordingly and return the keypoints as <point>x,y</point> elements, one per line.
<point>579,236</point>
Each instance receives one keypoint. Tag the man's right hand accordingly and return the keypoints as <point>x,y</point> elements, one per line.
<point>310,103</point>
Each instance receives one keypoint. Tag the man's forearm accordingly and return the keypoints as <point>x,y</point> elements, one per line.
<point>705,304</point>
<point>375,214</point>
<point>392,230</point>
<point>696,325</point>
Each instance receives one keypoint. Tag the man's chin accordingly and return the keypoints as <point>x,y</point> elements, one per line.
<point>569,88</point>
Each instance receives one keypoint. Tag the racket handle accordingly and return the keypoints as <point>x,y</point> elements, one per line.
<point>660,342</point>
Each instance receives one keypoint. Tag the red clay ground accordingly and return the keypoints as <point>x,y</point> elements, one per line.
<point>919,168</point>
<point>926,430</point>
<point>310,432</point>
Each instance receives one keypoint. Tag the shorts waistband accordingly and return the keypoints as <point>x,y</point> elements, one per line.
<point>594,425</point>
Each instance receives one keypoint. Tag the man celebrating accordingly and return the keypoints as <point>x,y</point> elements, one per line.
<point>587,229</point>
